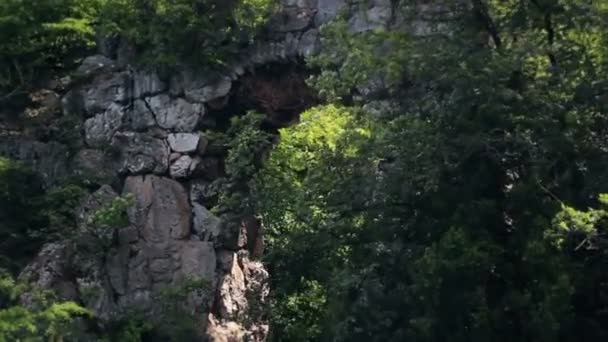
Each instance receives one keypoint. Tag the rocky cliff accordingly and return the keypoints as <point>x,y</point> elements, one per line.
<point>140,133</point>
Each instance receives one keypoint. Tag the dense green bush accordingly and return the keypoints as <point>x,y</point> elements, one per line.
<point>30,215</point>
<point>45,319</point>
<point>454,211</point>
<point>44,38</point>
<point>199,32</point>
<point>40,38</point>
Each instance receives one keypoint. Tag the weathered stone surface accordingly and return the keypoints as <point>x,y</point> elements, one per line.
<point>92,166</point>
<point>162,211</point>
<point>141,153</point>
<point>45,271</point>
<point>106,89</point>
<point>117,269</point>
<point>139,277</point>
<point>243,284</point>
<point>60,267</point>
<point>232,290</point>
<point>100,128</point>
<point>376,13</point>
<point>94,65</point>
<point>257,279</point>
<point>201,89</point>
<point>197,260</point>
<point>309,43</point>
<point>327,10</point>
<point>177,115</point>
<point>146,83</point>
<point>127,235</point>
<point>174,156</point>
<point>139,117</point>
<point>50,160</point>
<point>218,331</point>
<point>181,167</point>
<point>72,103</point>
<point>184,142</point>
<point>258,291</point>
<point>292,18</point>
<point>206,225</point>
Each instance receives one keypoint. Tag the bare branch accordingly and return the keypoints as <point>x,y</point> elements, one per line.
<point>482,12</point>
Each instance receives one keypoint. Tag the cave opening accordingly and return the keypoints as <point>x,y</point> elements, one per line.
<point>277,90</point>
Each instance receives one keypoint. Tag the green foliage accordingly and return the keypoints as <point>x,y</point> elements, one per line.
<point>246,144</point>
<point>199,32</point>
<point>31,216</point>
<point>105,220</point>
<point>581,227</point>
<point>45,320</point>
<point>131,329</point>
<point>299,317</point>
<point>301,195</point>
<point>247,141</point>
<point>40,38</point>
<point>439,217</point>
<point>114,214</point>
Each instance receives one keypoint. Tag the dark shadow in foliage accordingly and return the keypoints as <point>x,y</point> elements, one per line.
<point>29,215</point>
<point>279,91</point>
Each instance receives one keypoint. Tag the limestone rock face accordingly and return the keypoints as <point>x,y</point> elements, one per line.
<point>184,142</point>
<point>100,128</point>
<point>377,13</point>
<point>139,117</point>
<point>240,289</point>
<point>105,90</point>
<point>51,261</point>
<point>50,160</point>
<point>206,225</point>
<point>177,115</point>
<point>147,83</point>
<point>162,210</point>
<point>200,89</point>
<point>141,153</point>
<point>181,167</point>
<point>92,165</point>
<point>141,133</point>
<point>95,64</point>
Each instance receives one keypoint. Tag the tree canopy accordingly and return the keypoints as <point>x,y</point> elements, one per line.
<point>453,207</point>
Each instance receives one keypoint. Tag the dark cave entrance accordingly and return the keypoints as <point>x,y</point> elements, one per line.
<point>278,90</point>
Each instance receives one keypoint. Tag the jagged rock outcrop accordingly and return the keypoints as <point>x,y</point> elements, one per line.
<point>141,135</point>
